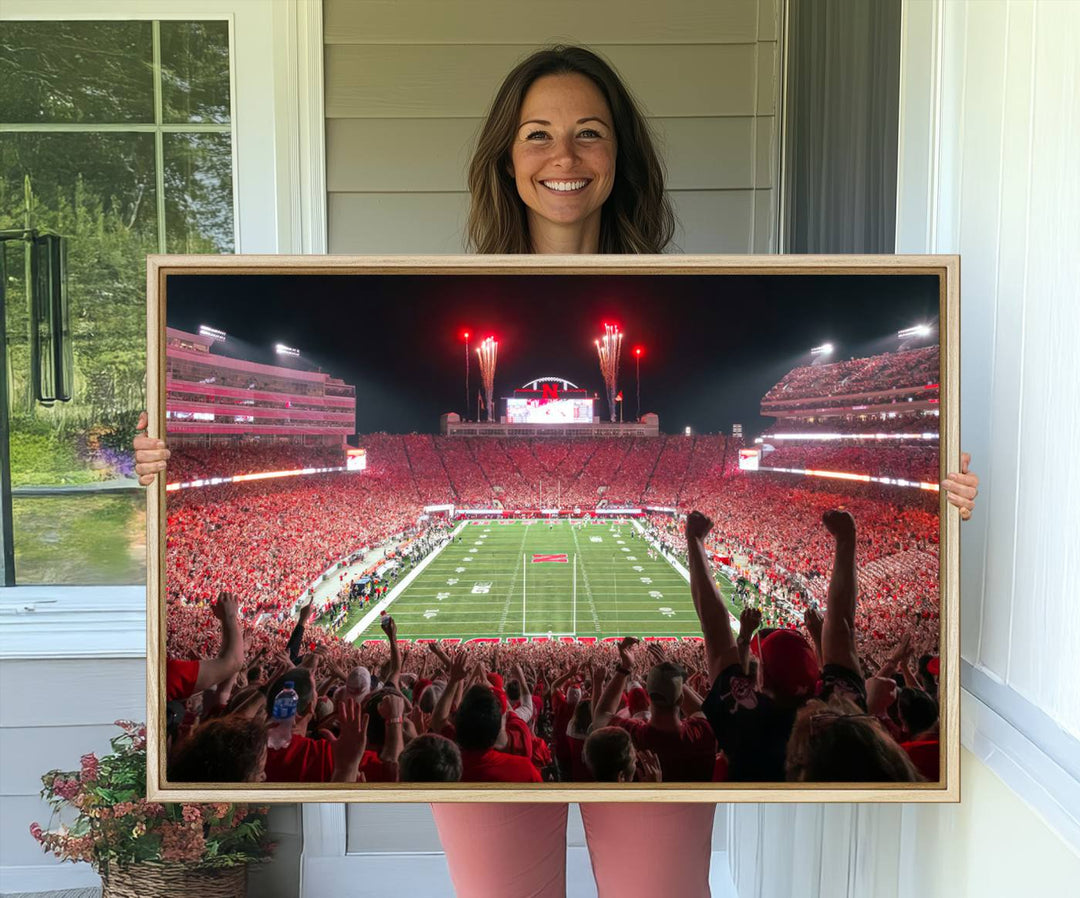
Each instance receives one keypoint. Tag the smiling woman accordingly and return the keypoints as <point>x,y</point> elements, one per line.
<point>563,117</point>
<point>563,162</point>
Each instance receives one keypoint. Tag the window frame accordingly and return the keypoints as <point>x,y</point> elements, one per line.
<point>279,206</point>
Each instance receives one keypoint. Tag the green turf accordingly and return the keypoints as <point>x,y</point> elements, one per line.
<point>475,587</point>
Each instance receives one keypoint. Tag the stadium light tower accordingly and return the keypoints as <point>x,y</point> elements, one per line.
<point>820,354</point>
<point>465,337</point>
<point>212,332</point>
<point>282,349</point>
<point>638,350</point>
<point>910,335</point>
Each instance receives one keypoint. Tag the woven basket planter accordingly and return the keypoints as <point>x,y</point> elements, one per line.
<point>150,880</point>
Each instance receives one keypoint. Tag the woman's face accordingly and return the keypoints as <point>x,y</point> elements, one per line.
<point>563,154</point>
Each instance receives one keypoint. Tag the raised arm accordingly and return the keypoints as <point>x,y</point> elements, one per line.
<point>440,716</point>
<point>749,621</point>
<point>393,676</point>
<point>609,701</point>
<point>392,711</point>
<point>350,744</point>
<point>231,657</point>
<point>838,630</point>
<point>720,648</point>
<point>440,653</point>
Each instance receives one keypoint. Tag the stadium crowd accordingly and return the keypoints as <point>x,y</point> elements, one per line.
<point>878,373</point>
<point>765,704</point>
<point>910,462</point>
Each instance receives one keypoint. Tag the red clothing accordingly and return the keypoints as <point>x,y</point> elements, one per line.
<point>521,741</point>
<point>375,770</point>
<point>579,770</point>
<point>180,677</point>
<point>493,766</point>
<point>303,760</point>
<point>561,713</point>
<point>926,756</point>
<point>686,756</point>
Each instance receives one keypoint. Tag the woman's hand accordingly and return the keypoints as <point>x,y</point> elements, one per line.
<point>150,454</point>
<point>962,488</point>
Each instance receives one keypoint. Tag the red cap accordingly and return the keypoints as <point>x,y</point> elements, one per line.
<point>789,665</point>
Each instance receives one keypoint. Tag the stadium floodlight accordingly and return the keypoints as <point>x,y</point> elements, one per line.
<point>465,337</point>
<point>638,350</point>
<point>206,331</point>
<point>823,349</point>
<point>919,330</point>
<point>282,349</point>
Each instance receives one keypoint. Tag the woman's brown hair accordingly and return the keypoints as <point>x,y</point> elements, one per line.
<point>637,216</point>
<point>221,750</point>
<point>838,742</point>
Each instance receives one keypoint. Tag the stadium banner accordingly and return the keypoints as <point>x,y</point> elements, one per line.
<point>774,394</point>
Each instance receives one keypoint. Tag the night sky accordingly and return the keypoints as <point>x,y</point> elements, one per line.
<point>713,344</point>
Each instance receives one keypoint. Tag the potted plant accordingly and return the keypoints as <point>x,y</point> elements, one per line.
<point>141,847</point>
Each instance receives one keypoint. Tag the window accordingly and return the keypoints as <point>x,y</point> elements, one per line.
<point>117,135</point>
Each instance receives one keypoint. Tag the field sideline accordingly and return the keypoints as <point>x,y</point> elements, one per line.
<point>493,581</point>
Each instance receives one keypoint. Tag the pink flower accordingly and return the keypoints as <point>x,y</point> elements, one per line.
<point>123,808</point>
<point>89,767</point>
<point>192,814</point>
<point>36,832</point>
<point>65,788</point>
<point>181,842</point>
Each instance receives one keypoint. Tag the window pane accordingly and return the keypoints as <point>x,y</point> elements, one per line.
<point>98,191</point>
<point>198,193</point>
<point>195,71</point>
<point>81,540</point>
<point>76,72</point>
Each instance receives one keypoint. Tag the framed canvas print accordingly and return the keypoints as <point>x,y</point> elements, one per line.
<point>547,528</point>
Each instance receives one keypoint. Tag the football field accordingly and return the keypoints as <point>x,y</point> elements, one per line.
<point>540,578</point>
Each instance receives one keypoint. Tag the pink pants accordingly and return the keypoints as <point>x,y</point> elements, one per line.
<point>637,850</point>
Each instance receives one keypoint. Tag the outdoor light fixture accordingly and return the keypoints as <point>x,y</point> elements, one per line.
<point>206,331</point>
<point>823,349</point>
<point>919,330</point>
<point>282,349</point>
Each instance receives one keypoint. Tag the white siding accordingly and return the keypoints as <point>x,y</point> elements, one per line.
<point>408,83</point>
<point>989,137</point>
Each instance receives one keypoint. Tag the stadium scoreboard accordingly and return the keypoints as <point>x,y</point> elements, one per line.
<point>749,459</point>
<point>355,459</point>
<point>548,411</point>
<point>549,400</point>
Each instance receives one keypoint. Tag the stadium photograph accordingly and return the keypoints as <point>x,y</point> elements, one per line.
<point>555,528</point>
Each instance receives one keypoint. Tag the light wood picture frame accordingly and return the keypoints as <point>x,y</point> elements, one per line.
<point>946,269</point>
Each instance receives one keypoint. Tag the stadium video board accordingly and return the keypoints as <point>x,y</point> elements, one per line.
<point>560,540</point>
<point>548,411</point>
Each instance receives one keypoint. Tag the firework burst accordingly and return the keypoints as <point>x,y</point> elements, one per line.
<point>488,352</point>
<point>608,348</point>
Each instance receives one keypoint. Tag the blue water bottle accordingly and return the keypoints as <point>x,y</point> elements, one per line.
<point>284,715</point>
